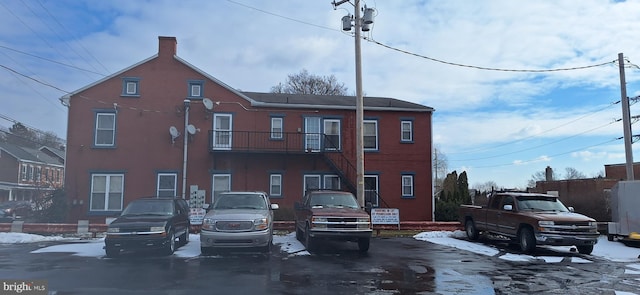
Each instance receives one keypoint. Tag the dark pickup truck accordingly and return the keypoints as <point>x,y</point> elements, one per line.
<point>530,219</point>
<point>334,215</point>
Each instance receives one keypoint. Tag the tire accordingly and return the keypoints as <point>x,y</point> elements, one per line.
<point>112,252</point>
<point>309,242</point>
<point>363,244</point>
<point>526,240</point>
<point>267,249</point>
<point>184,239</point>
<point>298,234</point>
<point>471,230</point>
<point>586,250</point>
<point>171,244</point>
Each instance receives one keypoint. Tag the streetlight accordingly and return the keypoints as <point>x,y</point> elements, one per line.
<point>364,25</point>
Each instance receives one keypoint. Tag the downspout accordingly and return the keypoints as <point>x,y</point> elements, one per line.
<point>187,104</point>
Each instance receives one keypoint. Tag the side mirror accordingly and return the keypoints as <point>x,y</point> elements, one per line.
<point>508,207</point>
<point>275,207</point>
<point>571,209</point>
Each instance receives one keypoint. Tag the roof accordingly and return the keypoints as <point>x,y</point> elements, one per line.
<point>285,100</point>
<point>28,154</point>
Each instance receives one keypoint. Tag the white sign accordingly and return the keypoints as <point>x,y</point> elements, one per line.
<point>197,215</point>
<point>385,216</point>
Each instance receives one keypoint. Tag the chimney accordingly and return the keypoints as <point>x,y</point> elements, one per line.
<point>167,46</point>
<point>548,173</point>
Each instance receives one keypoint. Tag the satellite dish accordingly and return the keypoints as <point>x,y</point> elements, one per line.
<point>207,103</point>
<point>174,132</point>
<point>191,129</point>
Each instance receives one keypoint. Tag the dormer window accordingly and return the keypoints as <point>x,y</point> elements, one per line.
<point>130,86</point>
<point>195,89</point>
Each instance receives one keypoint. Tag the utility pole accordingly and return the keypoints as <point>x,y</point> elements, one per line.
<point>626,119</point>
<point>359,24</point>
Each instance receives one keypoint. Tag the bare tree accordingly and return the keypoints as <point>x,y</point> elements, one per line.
<point>487,186</point>
<point>573,173</point>
<point>305,83</point>
<point>439,167</point>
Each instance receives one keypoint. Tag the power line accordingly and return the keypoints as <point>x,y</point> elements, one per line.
<point>52,61</point>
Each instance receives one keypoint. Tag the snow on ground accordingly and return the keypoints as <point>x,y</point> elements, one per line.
<point>613,251</point>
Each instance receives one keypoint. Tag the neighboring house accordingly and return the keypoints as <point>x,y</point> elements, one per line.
<point>27,174</point>
<point>165,127</point>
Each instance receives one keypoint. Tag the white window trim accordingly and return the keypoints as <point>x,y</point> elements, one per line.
<point>213,184</point>
<point>106,192</point>
<point>402,131</point>
<point>275,179</point>
<point>275,133</point>
<point>411,184</point>
<point>222,146</point>
<point>375,122</point>
<point>175,183</point>
<point>327,179</point>
<point>112,129</point>
<point>377,189</point>
<point>339,143</point>
<point>308,176</point>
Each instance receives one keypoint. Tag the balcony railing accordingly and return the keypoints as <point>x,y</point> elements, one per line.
<point>281,142</point>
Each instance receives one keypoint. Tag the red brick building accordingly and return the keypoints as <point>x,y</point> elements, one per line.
<point>126,139</point>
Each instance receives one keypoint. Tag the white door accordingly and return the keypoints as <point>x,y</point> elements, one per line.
<point>312,134</point>
<point>221,183</point>
<point>222,131</point>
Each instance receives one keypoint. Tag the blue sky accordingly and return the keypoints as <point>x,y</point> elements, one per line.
<point>496,125</point>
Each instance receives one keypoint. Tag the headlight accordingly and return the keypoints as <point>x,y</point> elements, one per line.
<point>156,228</point>
<point>208,224</point>
<point>545,223</point>
<point>113,230</point>
<point>261,223</point>
<point>363,219</point>
<point>319,219</point>
<point>593,224</point>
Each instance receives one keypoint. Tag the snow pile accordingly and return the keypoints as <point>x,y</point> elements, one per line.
<point>20,238</point>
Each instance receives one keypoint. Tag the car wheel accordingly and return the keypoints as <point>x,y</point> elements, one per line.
<point>112,252</point>
<point>308,240</point>
<point>298,234</point>
<point>184,239</point>
<point>471,230</point>
<point>527,240</point>
<point>171,244</point>
<point>585,249</point>
<point>363,244</point>
<point>267,249</point>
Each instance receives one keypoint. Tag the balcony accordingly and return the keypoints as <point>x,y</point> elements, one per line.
<point>268,142</point>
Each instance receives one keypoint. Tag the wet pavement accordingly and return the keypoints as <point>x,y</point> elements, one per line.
<point>392,266</point>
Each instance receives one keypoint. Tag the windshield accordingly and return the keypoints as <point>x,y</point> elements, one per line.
<point>333,200</point>
<point>151,207</point>
<point>541,203</point>
<point>240,201</point>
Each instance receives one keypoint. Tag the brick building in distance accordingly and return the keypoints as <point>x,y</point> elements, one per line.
<point>163,127</point>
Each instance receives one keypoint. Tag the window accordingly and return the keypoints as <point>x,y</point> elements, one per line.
<point>332,182</point>
<point>221,183</point>
<point>106,192</point>
<point>38,176</point>
<point>407,186</point>
<point>406,129</point>
<point>23,172</point>
<point>275,185</point>
<point>195,88</point>
<point>311,182</point>
<point>130,86</point>
<point>276,127</point>
<point>30,176</point>
<point>371,190</point>
<point>222,126</point>
<point>105,129</point>
<point>332,134</point>
<point>167,185</point>
<point>370,134</point>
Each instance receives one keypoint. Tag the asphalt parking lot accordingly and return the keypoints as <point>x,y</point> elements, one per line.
<point>394,265</point>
